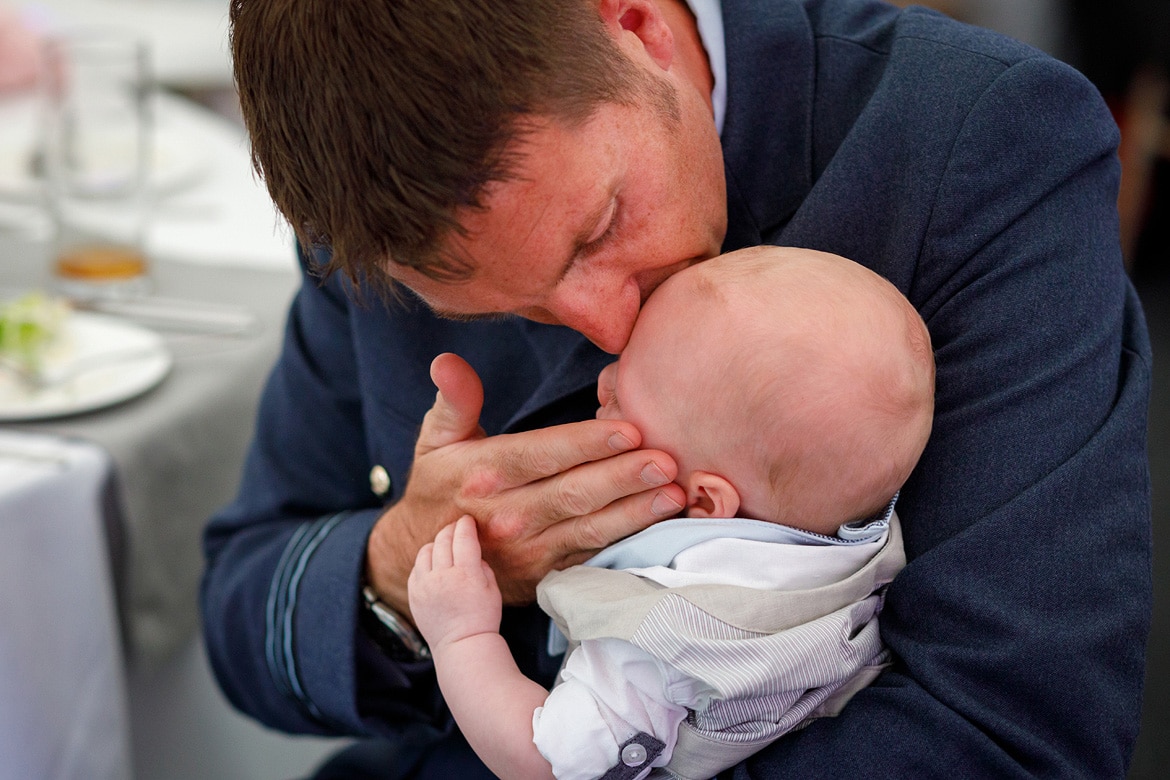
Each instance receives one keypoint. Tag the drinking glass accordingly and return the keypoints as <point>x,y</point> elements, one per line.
<point>96,152</point>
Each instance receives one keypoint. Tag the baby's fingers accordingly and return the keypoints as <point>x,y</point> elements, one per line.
<point>465,549</point>
<point>488,574</point>
<point>442,557</point>
<point>423,561</point>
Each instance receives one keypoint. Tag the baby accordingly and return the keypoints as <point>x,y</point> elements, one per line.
<point>794,389</point>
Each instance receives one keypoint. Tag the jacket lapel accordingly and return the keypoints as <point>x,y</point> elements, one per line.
<point>767,147</point>
<point>569,366</point>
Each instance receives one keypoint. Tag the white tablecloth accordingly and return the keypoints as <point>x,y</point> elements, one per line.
<point>63,705</point>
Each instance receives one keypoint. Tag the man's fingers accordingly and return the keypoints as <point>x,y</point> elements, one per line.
<point>566,538</point>
<point>458,402</point>
<point>576,539</point>
<point>522,458</point>
<point>592,487</point>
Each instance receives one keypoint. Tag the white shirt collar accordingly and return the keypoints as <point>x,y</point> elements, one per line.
<point>709,15</point>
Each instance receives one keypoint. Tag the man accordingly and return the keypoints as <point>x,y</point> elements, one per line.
<point>549,164</point>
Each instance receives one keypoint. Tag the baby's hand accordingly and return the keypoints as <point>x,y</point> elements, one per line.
<point>452,591</point>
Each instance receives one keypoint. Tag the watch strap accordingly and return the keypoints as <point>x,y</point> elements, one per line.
<point>391,631</point>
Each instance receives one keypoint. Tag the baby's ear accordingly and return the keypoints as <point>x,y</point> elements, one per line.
<point>709,495</point>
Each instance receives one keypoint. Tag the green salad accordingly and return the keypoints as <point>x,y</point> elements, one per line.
<point>28,326</point>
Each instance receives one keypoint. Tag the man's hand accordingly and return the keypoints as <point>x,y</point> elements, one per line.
<point>542,499</point>
<point>453,593</point>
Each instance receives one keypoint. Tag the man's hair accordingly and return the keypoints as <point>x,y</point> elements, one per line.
<point>374,121</point>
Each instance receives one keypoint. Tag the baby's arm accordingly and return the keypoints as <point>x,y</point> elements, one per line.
<point>456,605</point>
<point>612,693</point>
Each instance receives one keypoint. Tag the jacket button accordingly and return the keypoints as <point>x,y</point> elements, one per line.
<point>633,754</point>
<point>379,480</point>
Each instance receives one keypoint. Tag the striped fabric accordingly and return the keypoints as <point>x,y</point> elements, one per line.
<point>765,684</point>
<point>768,660</point>
<point>279,645</point>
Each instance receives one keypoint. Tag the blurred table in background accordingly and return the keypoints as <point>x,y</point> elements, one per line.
<point>210,207</point>
<point>178,450</point>
<point>223,263</point>
<point>188,38</point>
<point>215,239</point>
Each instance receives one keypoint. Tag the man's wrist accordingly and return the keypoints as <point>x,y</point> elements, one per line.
<point>387,567</point>
<point>390,630</point>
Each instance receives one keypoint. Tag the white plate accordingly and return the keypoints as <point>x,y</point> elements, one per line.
<point>177,163</point>
<point>120,361</point>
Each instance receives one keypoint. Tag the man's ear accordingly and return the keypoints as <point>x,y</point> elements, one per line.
<point>645,20</point>
<point>709,495</point>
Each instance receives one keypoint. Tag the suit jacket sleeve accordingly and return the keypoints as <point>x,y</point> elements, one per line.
<point>280,591</point>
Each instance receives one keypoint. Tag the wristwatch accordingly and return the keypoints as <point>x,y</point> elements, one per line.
<point>391,631</point>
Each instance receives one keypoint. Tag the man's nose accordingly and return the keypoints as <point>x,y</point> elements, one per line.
<point>607,327</point>
<point>605,315</point>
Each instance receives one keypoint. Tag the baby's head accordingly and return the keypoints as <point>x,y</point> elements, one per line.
<point>789,385</point>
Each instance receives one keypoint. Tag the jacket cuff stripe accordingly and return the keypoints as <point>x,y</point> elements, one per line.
<point>275,606</point>
<point>282,607</point>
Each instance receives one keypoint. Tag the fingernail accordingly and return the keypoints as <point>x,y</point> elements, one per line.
<point>652,475</point>
<point>619,442</point>
<point>665,505</point>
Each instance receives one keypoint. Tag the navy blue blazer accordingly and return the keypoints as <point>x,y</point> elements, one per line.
<point>976,174</point>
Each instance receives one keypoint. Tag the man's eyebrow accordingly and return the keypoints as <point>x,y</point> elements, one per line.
<point>450,314</point>
<point>459,316</point>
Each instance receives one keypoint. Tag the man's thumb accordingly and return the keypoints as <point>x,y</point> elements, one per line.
<point>455,415</point>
